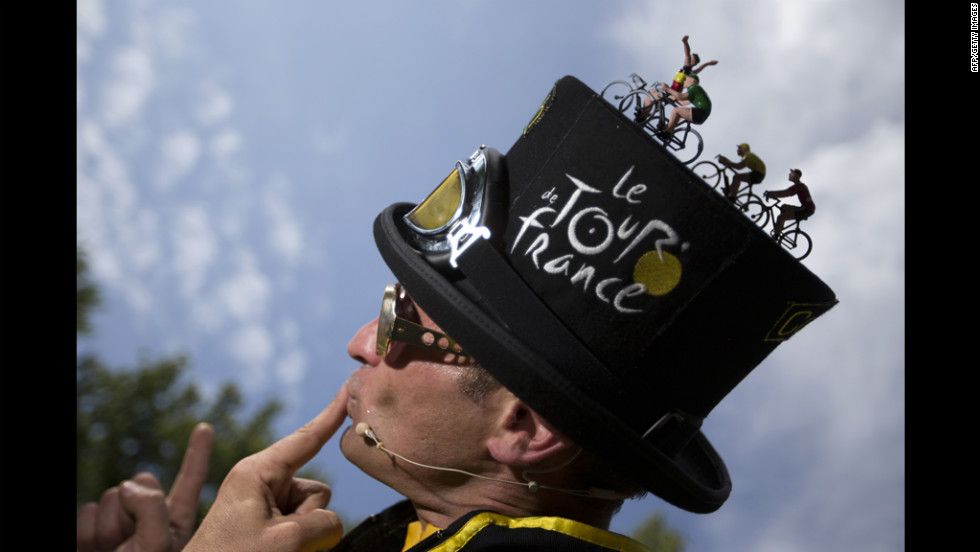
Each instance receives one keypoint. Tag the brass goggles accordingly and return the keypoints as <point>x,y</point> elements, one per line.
<point>398,321</point>
<point>450,218</point>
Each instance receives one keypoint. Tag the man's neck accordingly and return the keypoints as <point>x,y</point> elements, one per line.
<point>593,512</point>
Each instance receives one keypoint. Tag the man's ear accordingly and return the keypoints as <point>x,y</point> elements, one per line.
<point>522,437</point>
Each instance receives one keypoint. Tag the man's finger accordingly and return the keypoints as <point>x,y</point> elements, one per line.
<point>186,491</point>
<point>318,529</point>
<point>112,523</point>
<point>146,504</point>
<point>85,527</point>
<point>297,448</point>
<point>307,495</point>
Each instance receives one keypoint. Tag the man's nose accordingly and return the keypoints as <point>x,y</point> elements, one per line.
<point>363,346</point>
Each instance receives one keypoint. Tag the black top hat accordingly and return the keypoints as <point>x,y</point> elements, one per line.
<point>604,284</point>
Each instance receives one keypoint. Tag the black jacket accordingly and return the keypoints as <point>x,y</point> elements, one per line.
<point>483,530</point>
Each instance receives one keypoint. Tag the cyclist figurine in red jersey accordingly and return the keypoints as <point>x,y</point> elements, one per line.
<point>792,212</point>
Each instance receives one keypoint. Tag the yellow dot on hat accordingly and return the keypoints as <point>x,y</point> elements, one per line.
<point>659,272</point>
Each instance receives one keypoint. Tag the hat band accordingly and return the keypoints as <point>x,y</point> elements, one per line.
<point>673,431</point>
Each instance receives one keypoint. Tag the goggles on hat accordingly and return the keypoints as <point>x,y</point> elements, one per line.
<point>398,322</point>
<point>455,214</point>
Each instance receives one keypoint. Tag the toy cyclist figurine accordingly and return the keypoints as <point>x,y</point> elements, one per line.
<point>690,60</point>
<point>751,161</point>
<point>792,212</point>
<point>694,105</point>
<point>678,84</point>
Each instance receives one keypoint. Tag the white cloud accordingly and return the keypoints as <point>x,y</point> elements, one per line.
<point>91,24</point>
<point>131,83</point>
<point>107,170</point>
<point>105,199</point>
<point>215,107</point>
<point>171,30</point>
<point>90,17</point>
<point>195,247</point>
<point>245,295</point>
<point>141,241</point>
<point>790,75</point>
<point>252,346</point>
<point>207,314</point>
<point>859,227</point>
<point>137,296</point>
<point>179,154</point>
<point>286,235</point>
<point>291,367</point>
<point>329,141</point>
<point>225,143</point>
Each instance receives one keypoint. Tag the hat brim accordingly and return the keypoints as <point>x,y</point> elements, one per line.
<point>694,479</point>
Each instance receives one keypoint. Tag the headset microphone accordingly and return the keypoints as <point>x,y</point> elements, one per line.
<point>364,430</point>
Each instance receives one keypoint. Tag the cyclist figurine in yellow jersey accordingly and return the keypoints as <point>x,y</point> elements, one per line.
<point>751,161</point>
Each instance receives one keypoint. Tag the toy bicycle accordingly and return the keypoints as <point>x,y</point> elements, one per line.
<point>685,143</point>
<point>792,238</point>
<point>720,177</point>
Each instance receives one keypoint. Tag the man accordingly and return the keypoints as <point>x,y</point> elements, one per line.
<point>789,212</point>
<point>563,322</point>
<point>751,161</point>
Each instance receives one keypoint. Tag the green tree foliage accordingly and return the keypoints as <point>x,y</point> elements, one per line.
<point>656,535</point>
<point>128,421</point>
<point>86,293</point>
<point>139,419</point>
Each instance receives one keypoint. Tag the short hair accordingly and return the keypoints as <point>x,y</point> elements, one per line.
<point>477,384</point>
<point>798,172</point>
<point>586,471</point>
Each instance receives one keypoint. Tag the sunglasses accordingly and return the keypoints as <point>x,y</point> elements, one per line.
<point>399,321</point>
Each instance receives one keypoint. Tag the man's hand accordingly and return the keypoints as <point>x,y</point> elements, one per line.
<point>136,516</point>
<point>261,506</point>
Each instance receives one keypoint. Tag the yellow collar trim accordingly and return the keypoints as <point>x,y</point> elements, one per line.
<point>581,531</point>
<point>415,534</point>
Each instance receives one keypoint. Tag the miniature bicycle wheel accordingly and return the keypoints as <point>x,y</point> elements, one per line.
<point>633,102</point>
<point>690,144</point>
<point>754,208</point>
<point>685,142</point>
<point>616,91</point>
<point>709,172</point>
<point>797,242</point>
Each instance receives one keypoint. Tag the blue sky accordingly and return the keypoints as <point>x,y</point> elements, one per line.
<point>232,155</point>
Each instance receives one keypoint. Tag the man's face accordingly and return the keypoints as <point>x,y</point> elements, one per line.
<point>413,401</point>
